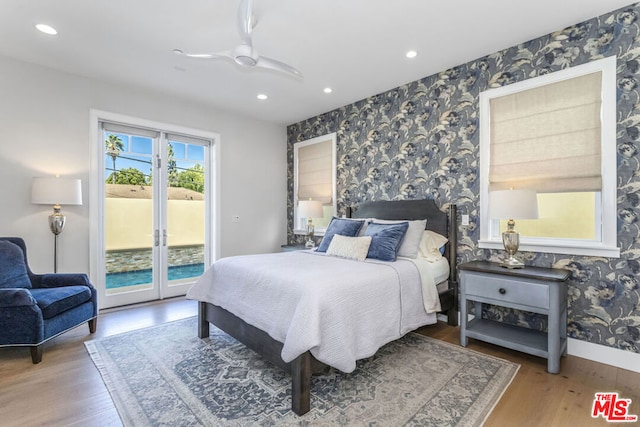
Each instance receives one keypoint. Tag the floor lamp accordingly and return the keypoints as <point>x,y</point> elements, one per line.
<point>56,192</point>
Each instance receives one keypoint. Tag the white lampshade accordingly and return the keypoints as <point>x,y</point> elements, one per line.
<point>513,204</point>
<point>56,191</point>
<point>310,209</point>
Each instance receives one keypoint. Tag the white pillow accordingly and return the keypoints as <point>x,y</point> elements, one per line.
<point>430,245</point>
<point>355,248</point>
<point>411,241</point>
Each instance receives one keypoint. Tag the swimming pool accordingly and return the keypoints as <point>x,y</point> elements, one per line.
<point>140,277</point>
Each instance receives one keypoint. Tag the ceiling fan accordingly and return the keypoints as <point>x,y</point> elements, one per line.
<point>244,54</point>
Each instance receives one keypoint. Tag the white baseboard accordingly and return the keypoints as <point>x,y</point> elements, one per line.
<point>603,354</point>
<point>595,352</point>
<point>443,317</point>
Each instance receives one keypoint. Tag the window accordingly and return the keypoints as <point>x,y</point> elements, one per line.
<point>315,179</point>
<point>554,134</point>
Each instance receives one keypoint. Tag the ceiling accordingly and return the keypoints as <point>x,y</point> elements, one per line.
<point>356,47</point>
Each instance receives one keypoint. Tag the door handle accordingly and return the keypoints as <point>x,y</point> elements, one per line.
<point>164,237</point>
<point>156,237</point>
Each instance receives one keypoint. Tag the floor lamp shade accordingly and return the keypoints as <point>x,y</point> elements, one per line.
<point>510,205</point>
<point>56,192</point>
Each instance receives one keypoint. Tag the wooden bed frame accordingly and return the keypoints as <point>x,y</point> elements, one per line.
<point>305,365</point>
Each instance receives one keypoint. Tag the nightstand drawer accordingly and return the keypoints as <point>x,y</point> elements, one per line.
<point>507,290</point>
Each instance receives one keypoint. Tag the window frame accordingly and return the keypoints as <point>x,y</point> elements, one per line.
<point>333,138</point>
<point>97,193</point>
<point>605,242</point>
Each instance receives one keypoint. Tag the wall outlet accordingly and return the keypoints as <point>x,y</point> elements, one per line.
<point>465,219</point>
<point>235,218</point>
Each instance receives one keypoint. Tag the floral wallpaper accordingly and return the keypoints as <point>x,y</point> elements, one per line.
<point>421,140</point>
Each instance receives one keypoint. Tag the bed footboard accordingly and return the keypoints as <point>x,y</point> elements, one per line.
<point>203,323</point>
<point>301,368</point>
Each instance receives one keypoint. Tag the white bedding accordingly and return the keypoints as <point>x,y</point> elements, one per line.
<point>339,309</point>
<point>432,273</point>
<point>439,270</point>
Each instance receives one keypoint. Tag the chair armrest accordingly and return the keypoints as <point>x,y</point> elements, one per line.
<point>16,297</point>
<point>58,280</point>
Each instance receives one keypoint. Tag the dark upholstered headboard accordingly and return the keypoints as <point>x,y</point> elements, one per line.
<point>438,221</point>
<point>441,222</point>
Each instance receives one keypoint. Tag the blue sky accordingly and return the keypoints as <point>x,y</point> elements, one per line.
<point>137,154</point>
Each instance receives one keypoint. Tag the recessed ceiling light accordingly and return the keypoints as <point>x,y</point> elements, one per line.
<point>262,96</point>
<point>412,54</point>
<point>328,90</point>
<point>47,29</point>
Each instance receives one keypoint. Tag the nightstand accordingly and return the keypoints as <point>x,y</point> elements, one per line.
<point>533,289</point>
<point>290,248</point>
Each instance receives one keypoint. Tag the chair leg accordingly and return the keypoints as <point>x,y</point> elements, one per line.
<point>36,353</point>
<point>93,323</point>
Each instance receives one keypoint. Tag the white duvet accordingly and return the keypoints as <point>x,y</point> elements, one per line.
<point>340,310</point>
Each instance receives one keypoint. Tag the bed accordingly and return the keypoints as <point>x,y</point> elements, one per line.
<point>238,317</point>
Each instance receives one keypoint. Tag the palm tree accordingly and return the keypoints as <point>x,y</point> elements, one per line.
<point>172,167</point>
<point>113,145</point>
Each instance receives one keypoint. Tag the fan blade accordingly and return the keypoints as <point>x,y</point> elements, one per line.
<point>245,24</point>
<point>274,64</point>
<point>214,55</point>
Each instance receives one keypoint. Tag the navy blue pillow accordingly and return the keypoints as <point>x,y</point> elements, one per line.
<point>13,271</point>
<point>385,240</point>
<point>341,226</point>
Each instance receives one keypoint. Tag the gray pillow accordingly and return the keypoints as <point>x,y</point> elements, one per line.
<point>13,271</point>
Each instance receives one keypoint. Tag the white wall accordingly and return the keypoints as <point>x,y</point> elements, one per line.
<point>45,130</point>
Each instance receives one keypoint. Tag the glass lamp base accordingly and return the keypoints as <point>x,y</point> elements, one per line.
<point>310,244</point>
<point>511,242</point>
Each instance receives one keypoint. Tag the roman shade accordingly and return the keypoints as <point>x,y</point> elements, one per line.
<point>187,139</point>
<point>315,177</point>
<point>548,138</point>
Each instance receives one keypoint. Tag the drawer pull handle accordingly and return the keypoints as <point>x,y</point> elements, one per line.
<point>502,291</point>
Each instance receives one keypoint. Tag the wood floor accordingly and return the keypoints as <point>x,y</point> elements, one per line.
<point>65,389</point>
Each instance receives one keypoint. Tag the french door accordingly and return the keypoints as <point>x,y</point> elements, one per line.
<point>156,219</point>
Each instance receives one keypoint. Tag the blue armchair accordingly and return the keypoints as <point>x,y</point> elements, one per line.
<point>37,307</point>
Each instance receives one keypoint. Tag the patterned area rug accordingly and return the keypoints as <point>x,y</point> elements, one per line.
<point>166,375</point>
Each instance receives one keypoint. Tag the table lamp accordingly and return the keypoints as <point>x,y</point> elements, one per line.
<point>510,205</point>
<point>310,209</point>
